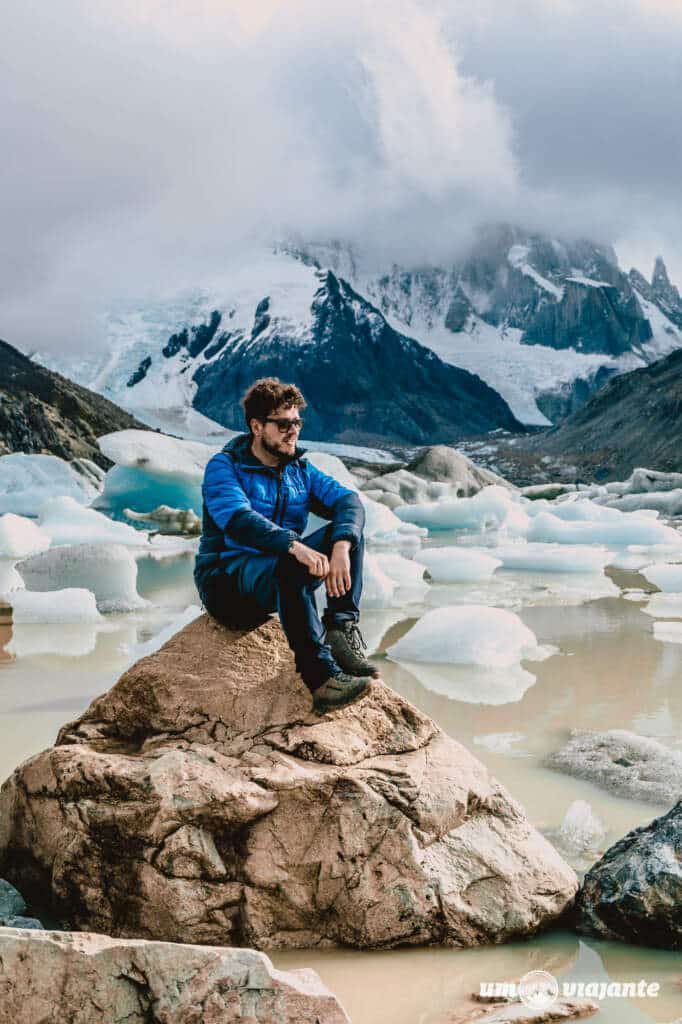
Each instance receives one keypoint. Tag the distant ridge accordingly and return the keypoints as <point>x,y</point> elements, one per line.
<point>42,412</point>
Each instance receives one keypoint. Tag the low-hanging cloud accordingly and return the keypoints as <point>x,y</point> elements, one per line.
<point>148,143</point>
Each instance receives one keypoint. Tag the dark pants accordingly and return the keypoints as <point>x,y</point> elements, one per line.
<point>258,585</point>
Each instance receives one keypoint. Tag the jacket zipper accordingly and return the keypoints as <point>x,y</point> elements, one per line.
<point>279,487</point>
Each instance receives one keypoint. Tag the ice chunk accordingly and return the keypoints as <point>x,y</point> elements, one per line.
<point>538,557</point>
<point>457,564</point>
<point>66,522</point>
<point>72,605</point>
<point>502,743</point>
<point>666,577</point>
<point>581,829</point>
<point>109,571</point>
<point>332,466</point>
<point>668,632</point>
<point>384,529</point>
<point>9,577</point>
<point>493,507</point>
<point>27,481</point>
<point>377,586</point>
<point>667,503</point>
<point>627,529</point>
<point>20,537</point>
<point>408,576</point>
<point>468,635</point>
<point>151,470</point>
<point>663,605</point>
<point>547,491</point>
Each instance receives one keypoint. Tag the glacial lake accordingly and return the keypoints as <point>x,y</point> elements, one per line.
<point>608,671</point>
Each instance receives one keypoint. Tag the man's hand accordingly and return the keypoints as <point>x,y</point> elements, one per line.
<point>338,580</point>
<point>316,563</point>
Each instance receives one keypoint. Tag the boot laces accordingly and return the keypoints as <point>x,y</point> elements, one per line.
<point>355,638</point>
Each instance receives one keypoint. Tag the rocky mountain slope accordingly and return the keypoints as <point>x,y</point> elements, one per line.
<point>634,420</point>
<point>42,412</point>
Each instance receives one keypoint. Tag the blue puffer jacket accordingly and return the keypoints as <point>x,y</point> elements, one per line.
<point>250,508</point>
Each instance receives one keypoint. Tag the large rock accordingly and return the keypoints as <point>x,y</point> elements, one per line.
<point>634,893</point>
<point>200,800</point>
<point>50,977</point>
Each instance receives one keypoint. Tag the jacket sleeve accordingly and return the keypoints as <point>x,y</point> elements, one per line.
<point>331,500</point>
<point>230,509</point>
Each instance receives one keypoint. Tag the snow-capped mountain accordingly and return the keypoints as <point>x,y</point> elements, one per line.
<point>542,322</point>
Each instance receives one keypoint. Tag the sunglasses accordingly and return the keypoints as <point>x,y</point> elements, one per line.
<point>284,424</point>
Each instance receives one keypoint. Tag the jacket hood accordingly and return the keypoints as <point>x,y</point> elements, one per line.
<point>239,449</point>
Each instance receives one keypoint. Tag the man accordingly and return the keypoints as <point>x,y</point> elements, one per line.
<point>251,562</point>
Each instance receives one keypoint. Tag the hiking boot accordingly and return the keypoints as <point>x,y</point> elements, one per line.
<point>347,645</point>
<point>339,690</point>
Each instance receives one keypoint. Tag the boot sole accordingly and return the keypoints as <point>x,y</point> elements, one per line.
<point>321,709</point>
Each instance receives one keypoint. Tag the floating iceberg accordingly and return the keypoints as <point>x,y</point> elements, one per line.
<point>66,522</point>
<point>664,576</point>
<point>384,529</point>
<point>618,530</point>
<point>457,564</point>
<point>20,537</point>
<point>494,507</point>
<point>468,635</point>
<point>9,577</point>
<point>377,586</point>
<point>663,605</point>
<point>332,466</point>
<point>108,570</point>
<point>72,605</point>
<point>151,470</point>
<point>581,829</point>
<point>28,481</point>
<point>559,558</point>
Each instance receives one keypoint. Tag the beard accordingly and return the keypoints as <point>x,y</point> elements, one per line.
<point>276,451</point>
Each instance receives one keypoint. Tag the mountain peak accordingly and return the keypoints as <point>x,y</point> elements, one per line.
<point>660,279</point>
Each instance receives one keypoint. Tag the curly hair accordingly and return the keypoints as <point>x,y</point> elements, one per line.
<point>268,394</point>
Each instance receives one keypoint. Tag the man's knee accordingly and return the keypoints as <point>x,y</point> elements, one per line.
<point>291,573</point>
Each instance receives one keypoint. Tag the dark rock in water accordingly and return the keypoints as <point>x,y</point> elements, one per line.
<point>364,382</point>
<point>634,893</point>
<point>42,412</point>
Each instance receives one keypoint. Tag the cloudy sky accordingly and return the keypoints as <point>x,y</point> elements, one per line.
<point>148,141</point>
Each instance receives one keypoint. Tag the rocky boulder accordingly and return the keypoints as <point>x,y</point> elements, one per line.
<point>54,976</point>
<point>637,767</point>
<point>200,800</point>
<point>634,893</point>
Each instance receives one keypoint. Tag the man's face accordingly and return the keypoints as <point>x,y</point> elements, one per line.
<point>281,443</point>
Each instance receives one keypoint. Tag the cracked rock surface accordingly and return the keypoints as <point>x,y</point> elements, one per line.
<point>201,801</point>
<point>53,977</point>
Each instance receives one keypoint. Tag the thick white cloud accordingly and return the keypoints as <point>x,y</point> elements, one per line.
<point>146,140</point>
